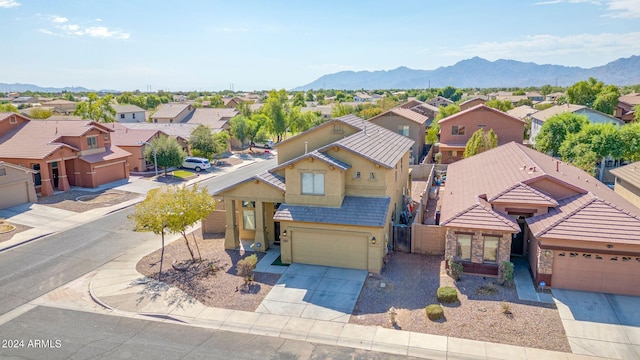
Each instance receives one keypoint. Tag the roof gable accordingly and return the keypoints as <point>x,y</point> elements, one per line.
<point>331,161</point>
<point>523,194</point>
<point>480,107</point>
<point>404,113</point>
<point>629,173</point>
<point>481,216</point>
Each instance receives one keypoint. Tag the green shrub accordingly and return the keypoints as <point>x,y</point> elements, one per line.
<point>455,270</point>
<point>506,273</point>
<point>434,312</point>
<point>447,295</point>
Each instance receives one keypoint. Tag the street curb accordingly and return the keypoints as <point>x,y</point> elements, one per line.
<point>96,299</point>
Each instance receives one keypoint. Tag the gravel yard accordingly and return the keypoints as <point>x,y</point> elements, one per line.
<point>410,284</point>
<point>221,288</point>
<point>4,236</point>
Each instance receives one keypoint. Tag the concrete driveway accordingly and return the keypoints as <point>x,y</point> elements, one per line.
<point>315,292</point>
<point>599,324</point>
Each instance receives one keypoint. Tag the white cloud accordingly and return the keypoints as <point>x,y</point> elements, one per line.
<point>629,9</point>
<point>8,4</point>
<point>62,27</point>
<point>545,46</point>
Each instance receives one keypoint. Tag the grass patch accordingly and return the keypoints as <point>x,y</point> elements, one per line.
<point>182,174</point>
<point>278,262</point>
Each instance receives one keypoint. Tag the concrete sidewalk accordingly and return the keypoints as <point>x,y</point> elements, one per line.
<point>119,287</point>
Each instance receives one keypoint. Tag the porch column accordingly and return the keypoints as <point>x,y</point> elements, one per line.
<point>63,180</point>
<point>231,235</point>
<point>46,188</point>
<point>260,228</point>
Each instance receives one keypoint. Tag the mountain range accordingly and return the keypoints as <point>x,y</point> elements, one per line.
<point>7,88</point>
<point>480,73</point>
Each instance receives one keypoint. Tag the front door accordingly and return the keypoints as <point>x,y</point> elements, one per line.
<point>276,226</point>
<point>517,242</point>
<point>54,172</point>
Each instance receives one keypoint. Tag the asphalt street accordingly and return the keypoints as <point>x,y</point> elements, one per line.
<point>50,333</point>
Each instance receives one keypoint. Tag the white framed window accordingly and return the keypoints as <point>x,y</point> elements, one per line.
<point>13,120</point>
<point>249,219</point>
<point>372,176</point>
<point>357,175</point>
<point>312,184</point>
<point>403,130</point>
<point>121,116</point>
<point>92,142</point>
<point>491,248</point>
<point>463,250</point>
<point>457,130</point>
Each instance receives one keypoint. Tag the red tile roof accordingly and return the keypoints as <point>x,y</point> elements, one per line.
<point>480,107</point>
<point>37,139</point>
<point>110,153</point>
<point>123,136</point>
<point>405,113</point>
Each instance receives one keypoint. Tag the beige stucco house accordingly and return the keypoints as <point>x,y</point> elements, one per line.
<point>331,200</point>
<point>513,201</point>
<point>627,183</point>
<point>16,185</point>
<point>407,123</point>
<point>172,113</point>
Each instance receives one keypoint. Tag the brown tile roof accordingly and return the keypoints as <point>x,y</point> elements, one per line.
<point>316,155</point>
<point>178,129</point>
<point>523,194</point>
<point>545,114</point>
<point>123,136</point>
<point>631,99</point>
<point>480,107</point>
<point>110,153</point>
<point>215,118</point>
<point>127,108</point>
<point>522,111</point>
<point>629,173</point>
<point>585,217</point>
<point>355,210</point>
<point>405,113</point>
<point>38,139</point>
<point>373,142</point>
<point>509,170</point>
<point>481,216</point>
<point>170,110</point>
<point>269,178</point>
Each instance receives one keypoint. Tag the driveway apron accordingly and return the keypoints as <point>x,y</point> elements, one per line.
<point>315,292</point>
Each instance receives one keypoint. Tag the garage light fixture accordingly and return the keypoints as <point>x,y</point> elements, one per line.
<point>373,240</point>
<point>284,233</point>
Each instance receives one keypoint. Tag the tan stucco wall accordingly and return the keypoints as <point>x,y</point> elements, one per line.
<point>320,136</point>
<point>375,251</point>
<point>334,187</point>
<point>11,179</point>
<point>417,131</point>
<point>427,239</point>
<point>628,191</point>
<point>590,246</point>
<point>554,189</point>
<point>395,188</point>
<point>214,223</point>
<point>363,186</point>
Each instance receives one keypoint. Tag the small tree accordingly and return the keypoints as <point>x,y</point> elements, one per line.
<point>245,268</point>
<point>202,141</point>
<point>240,128</point>
<point>150,215</point>
<point>480,141</point>
<point>168,152</point>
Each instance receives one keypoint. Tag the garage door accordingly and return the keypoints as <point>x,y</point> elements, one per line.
<point>110,173</point>
<point>614,274</point>
<point>330,248</point>
<point>14,194</point>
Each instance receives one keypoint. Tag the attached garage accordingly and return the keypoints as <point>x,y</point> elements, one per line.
<point>111,172</point>
<point>14,194</point>
<point>330,248</point>
<point>614,274</point>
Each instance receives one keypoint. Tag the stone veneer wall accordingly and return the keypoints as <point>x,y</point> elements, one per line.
<point>545,261</point>
<point>477,244</point>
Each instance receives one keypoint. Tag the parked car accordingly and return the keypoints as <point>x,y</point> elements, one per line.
<point>196,163</point>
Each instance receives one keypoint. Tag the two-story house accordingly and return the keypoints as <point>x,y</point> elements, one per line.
<point>130,113</point>
<point>331,200</point>
<point>64,153</point>
<point>134,141</point>
<point>513,201</point>
<point>456,130</point>
<point>407,123</point>
<point>625,110</point>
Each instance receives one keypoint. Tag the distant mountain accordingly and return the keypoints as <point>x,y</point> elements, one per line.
<point>7,88</point>
<point>480,73</point>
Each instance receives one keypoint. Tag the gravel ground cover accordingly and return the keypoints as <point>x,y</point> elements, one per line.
<point>486,311</point>
<point>80,201</point>
<point>214,280</point>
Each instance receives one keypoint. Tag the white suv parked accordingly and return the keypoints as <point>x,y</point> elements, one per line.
<point>196,163</point>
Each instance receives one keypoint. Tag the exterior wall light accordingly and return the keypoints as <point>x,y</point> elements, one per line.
<point>373,240</point>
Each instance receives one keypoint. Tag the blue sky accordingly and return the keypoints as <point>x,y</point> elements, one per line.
<point>210,45</point>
